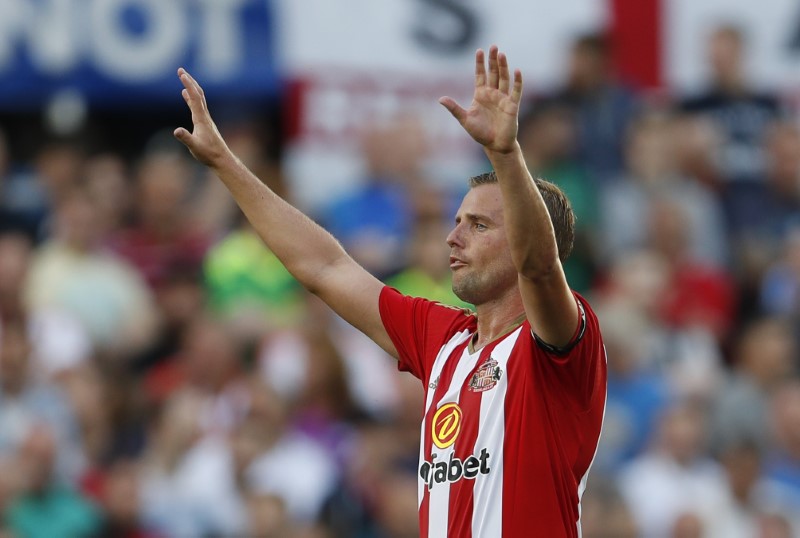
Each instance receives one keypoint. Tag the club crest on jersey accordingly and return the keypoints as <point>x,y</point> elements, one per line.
<point>485,377</point>
<point>446,425</point>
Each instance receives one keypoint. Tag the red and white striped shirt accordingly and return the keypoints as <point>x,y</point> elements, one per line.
<point>509,431</point>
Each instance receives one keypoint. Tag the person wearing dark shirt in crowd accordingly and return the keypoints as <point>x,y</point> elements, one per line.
<point>603,106</point>
<point>740,111</point>
<point>165,234</point>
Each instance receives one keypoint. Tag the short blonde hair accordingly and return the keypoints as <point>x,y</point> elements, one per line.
<point>558,206</point>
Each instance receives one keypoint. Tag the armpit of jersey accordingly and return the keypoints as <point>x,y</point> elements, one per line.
<point>576,338</point>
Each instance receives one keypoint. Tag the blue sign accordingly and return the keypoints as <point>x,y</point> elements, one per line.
<point>128,51</point>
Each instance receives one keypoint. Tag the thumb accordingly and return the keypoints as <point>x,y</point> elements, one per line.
<point>454,108</point>
<point>183,135</point>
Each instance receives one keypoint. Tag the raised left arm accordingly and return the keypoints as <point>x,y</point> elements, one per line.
<point>492,120</point>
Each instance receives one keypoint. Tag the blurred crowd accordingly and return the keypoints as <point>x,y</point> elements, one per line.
<point>162,376</point>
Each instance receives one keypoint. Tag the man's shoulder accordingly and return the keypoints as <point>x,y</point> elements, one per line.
<point>428,316</point>
<point>389,291</point>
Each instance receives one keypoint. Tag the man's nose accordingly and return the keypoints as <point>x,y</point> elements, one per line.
<point>454,238</point>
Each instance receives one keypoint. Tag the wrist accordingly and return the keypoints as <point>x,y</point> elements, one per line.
<point>502,154</point>
<point>224,161</point>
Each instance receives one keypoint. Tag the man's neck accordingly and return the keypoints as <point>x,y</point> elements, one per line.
<point>497,318</point>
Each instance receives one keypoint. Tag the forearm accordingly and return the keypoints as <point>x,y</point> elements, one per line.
<point>529,228</point>
<point>305,248</point>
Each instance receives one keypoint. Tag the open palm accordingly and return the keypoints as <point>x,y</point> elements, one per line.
<point>491,119</point>
<point>204,142</point>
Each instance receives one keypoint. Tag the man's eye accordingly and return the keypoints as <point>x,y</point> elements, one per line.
<point>480,227</point>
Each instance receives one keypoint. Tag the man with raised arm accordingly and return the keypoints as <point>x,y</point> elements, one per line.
<point>514,394</point>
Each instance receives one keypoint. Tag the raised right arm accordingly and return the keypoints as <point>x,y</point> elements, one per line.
<point>309,252</point>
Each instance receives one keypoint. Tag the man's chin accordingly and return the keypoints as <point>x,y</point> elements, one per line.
<point>463,294</point>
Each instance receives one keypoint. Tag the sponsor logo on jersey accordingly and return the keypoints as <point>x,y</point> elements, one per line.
<point>446,425</point>
<point>454,469</point>
<point>434,383</point>
<point>485,377</point>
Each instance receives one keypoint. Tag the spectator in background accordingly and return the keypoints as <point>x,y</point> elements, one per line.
<point>248,286</point>
<point>60,344</point>
<point>180,298</point>
<point>763,215</point>
<point>675,479</point>
<point>776,526</point>
<point>740,111</point>
<point>752,498</point>
<point>697,141</point>
<point>121,504</point>
<point>637,393</point>
<point>635,284</point>
<point>651,175</point>
<point>742,115</point>
<point>779,292</point>
<point>187,487</point>
<point>683,359</point>
<point>196,484</point>
<point>48,508</point>
<point>395,505</point>
<point>374,221</point>
<point>107,181</point>
<point>428,273</point>
<point>28,403</point>
<point>16,250</point>
<point>12,217</point>
<point>94,402</point>
<point>383,455</point>
<point>547,136</point>
<point>604,513</point>
<point>286,462</point>
<point>765,229</point>
<point>268,519</point>
<point>284,358</point>
<point>31,194</point>
<point>324,408</point>
<point>603,107</point>
<point>764,354</point>
<point>162,234</point>
<point>783,461</point>
<point>209,364</point>
<point>73,273</point>
<point>699,295</point>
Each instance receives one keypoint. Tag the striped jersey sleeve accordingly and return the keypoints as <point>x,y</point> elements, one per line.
<point>419,327</point>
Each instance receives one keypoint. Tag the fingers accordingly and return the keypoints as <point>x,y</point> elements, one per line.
<point>480,69</point>
<point>190,83</point>
<point>499,74</point>
<point>454,108</point>
<point>516,92</point>
<point>194,96</point>
<point>503,73</point>
<point>494,69</point>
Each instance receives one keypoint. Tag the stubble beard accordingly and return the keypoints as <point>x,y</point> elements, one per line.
<point>479,287</point>
<point>469,288</point>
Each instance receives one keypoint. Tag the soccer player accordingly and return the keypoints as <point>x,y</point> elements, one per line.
<point>514,394</point>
